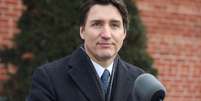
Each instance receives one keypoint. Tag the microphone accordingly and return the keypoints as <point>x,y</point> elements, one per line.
<point>148,88</point>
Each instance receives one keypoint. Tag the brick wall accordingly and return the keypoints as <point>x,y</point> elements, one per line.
<point>174,41</point>
<point>10,11</point>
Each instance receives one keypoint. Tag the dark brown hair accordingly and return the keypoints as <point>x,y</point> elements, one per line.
<point>119,4</point>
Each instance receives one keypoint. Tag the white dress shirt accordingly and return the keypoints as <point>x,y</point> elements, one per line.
<point>99,69</point>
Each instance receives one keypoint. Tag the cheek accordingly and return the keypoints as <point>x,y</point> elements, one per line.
<point>119,39</point>
<point>90,40</point>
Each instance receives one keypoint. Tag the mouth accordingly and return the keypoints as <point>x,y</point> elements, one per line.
<point>104,44</point>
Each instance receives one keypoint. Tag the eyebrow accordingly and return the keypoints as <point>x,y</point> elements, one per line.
<point>99,20</point>
<point>92,21</point>
<point>116,21</point>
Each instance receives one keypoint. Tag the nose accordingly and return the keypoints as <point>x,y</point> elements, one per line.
<point>106,33</point>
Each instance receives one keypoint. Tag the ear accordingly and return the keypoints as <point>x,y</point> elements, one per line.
<point>82,32</point>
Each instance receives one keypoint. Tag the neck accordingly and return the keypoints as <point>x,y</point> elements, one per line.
<point>105,63</point>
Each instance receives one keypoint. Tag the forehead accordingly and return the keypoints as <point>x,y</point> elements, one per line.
<point>103,12</point>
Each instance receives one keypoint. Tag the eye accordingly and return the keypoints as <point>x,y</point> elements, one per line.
<point>96,24</point>
<point>115,25</point>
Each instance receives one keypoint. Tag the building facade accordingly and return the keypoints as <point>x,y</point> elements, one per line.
<point>174,41</point>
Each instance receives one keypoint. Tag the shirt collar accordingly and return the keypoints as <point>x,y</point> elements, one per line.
<point>99,69</point>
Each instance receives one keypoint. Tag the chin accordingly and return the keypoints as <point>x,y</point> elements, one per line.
<point>106,56</point>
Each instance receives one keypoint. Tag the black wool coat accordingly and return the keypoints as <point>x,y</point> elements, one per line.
<point>73,78</point>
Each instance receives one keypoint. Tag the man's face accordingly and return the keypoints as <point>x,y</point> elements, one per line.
<point>103,33</point>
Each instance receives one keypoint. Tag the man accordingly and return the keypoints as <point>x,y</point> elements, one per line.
<point>93,72</point>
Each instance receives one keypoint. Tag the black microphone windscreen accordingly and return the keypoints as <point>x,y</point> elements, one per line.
<point>148,88</point>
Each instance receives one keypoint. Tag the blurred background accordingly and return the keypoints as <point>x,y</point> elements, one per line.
<point>173,31</point>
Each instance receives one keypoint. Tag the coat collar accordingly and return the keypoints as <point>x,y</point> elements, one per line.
<point>123,83</point>
<point>83,74</point>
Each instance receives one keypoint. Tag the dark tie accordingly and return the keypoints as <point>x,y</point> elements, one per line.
<point>105,80</point>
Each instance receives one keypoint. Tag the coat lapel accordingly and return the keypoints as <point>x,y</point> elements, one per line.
<point>123,83</point>
<point>84,76</point>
